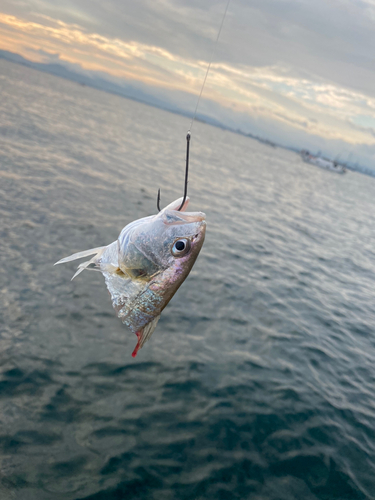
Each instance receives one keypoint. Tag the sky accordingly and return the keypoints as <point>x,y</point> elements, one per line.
<point>299,72</point>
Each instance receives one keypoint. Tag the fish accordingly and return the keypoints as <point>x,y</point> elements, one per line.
<point>147,264</point>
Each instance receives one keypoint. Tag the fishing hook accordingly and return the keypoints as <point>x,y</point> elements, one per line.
<point>186,175</point>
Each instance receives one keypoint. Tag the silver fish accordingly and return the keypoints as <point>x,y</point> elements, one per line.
<point>147,264</point>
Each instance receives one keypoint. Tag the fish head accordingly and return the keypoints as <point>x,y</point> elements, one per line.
<point>182,236</point>
<point>162,249</point>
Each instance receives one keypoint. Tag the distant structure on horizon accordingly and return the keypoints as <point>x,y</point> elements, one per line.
<point>321,162</point>
<point>329,164</point>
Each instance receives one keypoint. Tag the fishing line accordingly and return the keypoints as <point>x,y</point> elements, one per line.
<point>209,66</point>
<point>195,113</point>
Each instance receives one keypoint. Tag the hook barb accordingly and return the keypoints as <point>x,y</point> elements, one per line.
<point>158,200</point>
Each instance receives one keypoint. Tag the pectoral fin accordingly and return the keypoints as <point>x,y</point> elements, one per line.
<point>79,255</point>
<point>144,334</point>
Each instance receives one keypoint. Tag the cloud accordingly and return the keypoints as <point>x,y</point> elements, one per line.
<point>293,66</point>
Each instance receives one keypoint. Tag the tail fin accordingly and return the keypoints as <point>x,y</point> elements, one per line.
<point>97,251</point>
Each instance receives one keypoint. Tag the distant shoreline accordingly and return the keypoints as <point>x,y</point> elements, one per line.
<point>130,92</point>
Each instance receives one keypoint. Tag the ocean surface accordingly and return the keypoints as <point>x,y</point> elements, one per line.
<point>259,381</point>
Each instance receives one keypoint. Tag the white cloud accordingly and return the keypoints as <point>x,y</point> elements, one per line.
<point>289,65</point>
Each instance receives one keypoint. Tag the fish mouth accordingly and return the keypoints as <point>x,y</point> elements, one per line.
<point>171,214</point>
<point>175,205</point>
<point>185,205</point>
<point>190,217</point>
<point>174,217</point>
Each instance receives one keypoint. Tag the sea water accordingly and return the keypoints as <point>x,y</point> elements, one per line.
<point>259,380</point>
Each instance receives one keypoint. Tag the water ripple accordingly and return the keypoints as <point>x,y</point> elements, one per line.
<point>258,382</point>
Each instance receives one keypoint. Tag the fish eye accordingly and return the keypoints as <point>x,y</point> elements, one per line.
<point>181,247</point>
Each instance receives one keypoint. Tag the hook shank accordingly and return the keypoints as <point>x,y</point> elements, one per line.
<point>186,175</point>
<point>186,169</point>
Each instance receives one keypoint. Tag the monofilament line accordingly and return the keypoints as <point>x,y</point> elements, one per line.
<point>195,114</point>
<point>209,66</point>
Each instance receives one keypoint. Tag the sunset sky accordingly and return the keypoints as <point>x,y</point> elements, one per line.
<point>299,72</point>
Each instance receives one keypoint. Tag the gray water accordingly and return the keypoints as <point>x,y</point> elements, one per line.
<point>259,380</point>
